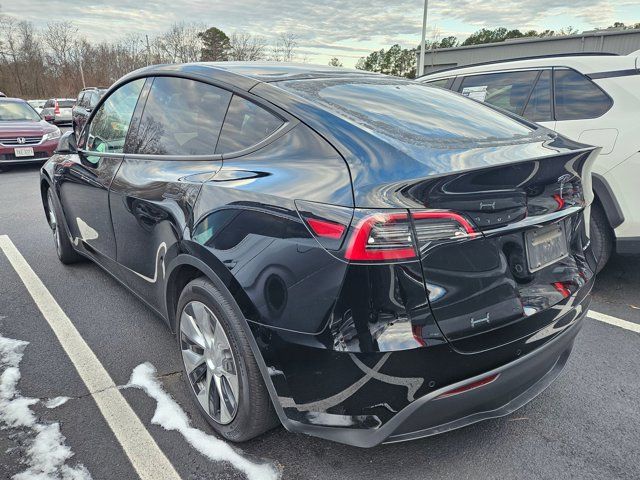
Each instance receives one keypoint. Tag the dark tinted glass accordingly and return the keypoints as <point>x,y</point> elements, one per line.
<point>508,90</point>
<point>110,124</point>
<point>181,117</point>
<point>410,115</point>
<point>245,125</point>
<point>577,97</point>
<point>442,83</point>
<point>49,104</point>
<point>539,107</point>
<point>66,103</point>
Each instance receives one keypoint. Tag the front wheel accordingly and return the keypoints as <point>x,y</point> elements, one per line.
<point>219,365</point>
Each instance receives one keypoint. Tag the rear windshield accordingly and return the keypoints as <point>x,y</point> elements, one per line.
<point>410,114</point>
<point>14,111</point>
<point>66,103</point>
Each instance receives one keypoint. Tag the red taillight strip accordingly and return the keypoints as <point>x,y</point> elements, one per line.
<point>464,223</point>
<point>326,229</point>
<point>469,386</point>
<point>357,247</point>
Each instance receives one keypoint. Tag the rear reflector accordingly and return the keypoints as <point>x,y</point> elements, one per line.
<point>469,386</point>
<point>326,229</point>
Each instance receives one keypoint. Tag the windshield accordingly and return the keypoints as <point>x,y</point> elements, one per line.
<point>12,111</point>
<point>411,115</point>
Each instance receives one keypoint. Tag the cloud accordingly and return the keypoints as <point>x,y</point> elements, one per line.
<point>334,27</point>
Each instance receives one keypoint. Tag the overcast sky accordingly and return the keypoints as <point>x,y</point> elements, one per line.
<point>342,28</point>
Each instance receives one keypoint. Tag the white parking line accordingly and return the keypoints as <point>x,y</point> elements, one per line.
<point>146,457</point>
<point>618,322</point>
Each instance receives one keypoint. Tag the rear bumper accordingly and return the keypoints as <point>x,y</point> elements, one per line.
<point>518,382</point>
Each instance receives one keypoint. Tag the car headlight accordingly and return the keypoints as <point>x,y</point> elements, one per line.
<point>52,135</point>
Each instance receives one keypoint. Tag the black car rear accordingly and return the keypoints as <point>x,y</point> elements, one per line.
<point>395,260</point>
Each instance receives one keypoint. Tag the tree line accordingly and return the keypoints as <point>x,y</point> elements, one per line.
<point>56,61</point>
<point>402,61</point>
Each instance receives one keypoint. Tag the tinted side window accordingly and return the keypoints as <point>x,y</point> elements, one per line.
<point>539,107</point>
<point>245,125</point>
<point>181,117</point>
<point>93,99</point>
<point>49,104</point>
<point>442,83</point>
<point>577,97</point>
<point>109,127</point>
<point>508,90</point>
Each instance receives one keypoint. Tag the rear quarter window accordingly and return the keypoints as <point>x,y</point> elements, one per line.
<point>245,125</point>
<point>577,97</point>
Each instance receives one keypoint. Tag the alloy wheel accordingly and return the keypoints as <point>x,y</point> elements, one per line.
<point>209,362</point>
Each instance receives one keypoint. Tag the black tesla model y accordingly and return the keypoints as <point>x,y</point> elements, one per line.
<point>356,256</point>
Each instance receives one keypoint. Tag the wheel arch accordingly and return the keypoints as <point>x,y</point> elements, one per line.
<point>189,266</point>
<point>604,194</point>
<point>186,267</point>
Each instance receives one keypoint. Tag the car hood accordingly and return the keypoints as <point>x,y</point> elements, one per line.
<point>24,128</point>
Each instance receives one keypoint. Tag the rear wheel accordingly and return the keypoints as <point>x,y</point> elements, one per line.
<point>64,248</point>
<point>219,365</point>
<point>601,236</point>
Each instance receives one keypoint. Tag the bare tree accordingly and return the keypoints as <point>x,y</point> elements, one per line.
<point>284,49</point>
<point>181,43</point>
<point>246,47</point>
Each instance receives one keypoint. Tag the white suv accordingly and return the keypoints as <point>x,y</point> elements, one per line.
<point>590,98</point>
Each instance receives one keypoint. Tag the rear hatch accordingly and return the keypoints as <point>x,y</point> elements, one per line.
<point>525,256</point>
<point>497,203</point>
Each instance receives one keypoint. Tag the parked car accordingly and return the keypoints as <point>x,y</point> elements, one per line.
<point>374,260</point>
<point>58,110</point>
<point>24,136</point>
<point>87,100</point>
<point>593,99</point>
<point>37,105</point>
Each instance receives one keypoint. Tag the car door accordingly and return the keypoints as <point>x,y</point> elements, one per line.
<point>85,179</point>
<point>170,152</point>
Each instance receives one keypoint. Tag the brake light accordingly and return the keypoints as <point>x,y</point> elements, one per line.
<point>56,110</point>
<point>326,229</point>
<point>390,236</point>
<point>382,236</point>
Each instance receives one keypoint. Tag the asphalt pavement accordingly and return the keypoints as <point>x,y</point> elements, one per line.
<point>586,425</point>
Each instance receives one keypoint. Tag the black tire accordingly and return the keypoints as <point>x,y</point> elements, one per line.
<point>255,413</point>
<point>601,236</point>
<point>64,248</point>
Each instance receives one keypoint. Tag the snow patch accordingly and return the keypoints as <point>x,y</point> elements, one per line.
<point>56,402</point>
<point>47,453</point>
<point>170,416</point>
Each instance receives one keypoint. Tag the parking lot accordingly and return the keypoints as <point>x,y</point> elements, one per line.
<point>584,426</point>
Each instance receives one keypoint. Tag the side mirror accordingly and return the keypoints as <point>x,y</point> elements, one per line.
<point>49,118</point>
<point>67,143</point>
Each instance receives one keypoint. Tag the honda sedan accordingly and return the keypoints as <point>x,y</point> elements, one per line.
<point>357,257</point>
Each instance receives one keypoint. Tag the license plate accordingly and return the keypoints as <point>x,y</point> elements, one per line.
<point>545,246</point>
<point>23,152</point>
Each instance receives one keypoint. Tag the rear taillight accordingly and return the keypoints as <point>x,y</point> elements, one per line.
<point>382,236</point>
<point>360,235</point>
<point>326,228</point>
<point>390,236</point>
<point>56,110</point>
